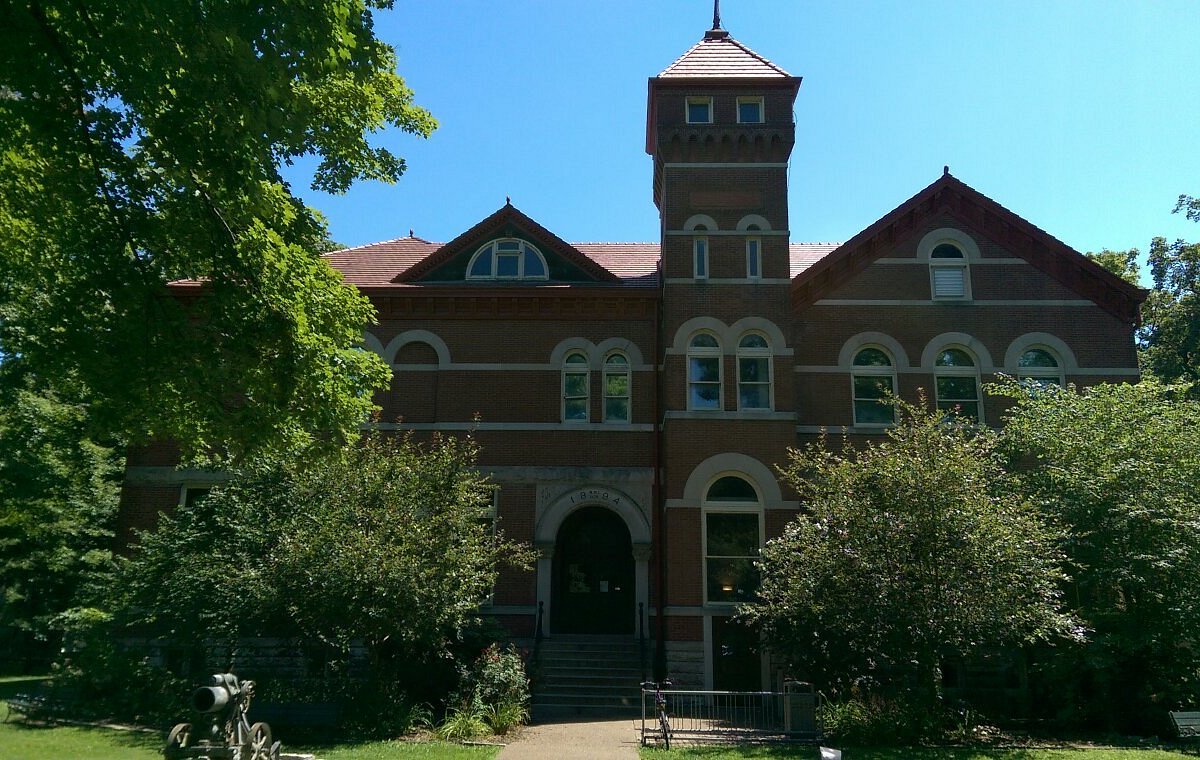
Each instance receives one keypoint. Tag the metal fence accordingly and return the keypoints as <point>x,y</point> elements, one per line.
<point>789,716</point>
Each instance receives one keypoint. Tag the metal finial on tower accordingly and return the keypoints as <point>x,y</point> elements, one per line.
<point>716,14</point>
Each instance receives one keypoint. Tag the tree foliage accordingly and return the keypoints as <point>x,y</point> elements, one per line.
<point>1123,264</point>
<point>140,144</point>
<point>907,551</point>
<point>1118,466</point>
<point>1171,335</point>
<point>58,499</point>
<point>380,544</point>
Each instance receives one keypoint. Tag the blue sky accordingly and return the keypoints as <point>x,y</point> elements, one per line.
<point>1082,116</point>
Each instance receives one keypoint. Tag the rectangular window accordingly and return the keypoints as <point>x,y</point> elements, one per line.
<point>699,110</point>
<point>508,265</point>
<point>750,110</point>
<point>869,394</point>
<point>959,392</point>
<point>730,548</point>
<point>700,256</point>
<point>704,382</point>
<point>575,396</point>
<point>753,259</point>
<point>193,495</point>
<point>616,396</point>
<point>754,382</point>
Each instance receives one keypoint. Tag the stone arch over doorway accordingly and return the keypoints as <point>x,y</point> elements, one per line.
<point>558,514</point>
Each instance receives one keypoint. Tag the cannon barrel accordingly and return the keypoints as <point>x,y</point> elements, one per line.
<point>208,699</point>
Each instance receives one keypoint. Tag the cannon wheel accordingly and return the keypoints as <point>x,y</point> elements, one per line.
<point>177,740</point>
<point>260,742</point>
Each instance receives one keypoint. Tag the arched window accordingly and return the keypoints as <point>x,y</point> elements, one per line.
<point>874,382</point>
<point>1039,366</point>
<point>704,372</point>
<point>732,539</point>
<point>575,377</point>
<point>948,274</point>
<point>507,259</point>
<point>957,382</point>
<point>616,388</point>
<point>754,372</point>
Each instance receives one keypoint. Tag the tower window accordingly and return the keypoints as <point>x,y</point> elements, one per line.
<point>753,258</point>
<point>704,372</point>
<point>699,111</point>
<point>700,258</point>
<point>750,110</point>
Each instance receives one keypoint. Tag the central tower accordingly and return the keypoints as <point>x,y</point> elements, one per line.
<point>720,130</point>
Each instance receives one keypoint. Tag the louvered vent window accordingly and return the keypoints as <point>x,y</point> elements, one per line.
<point>948,272</point>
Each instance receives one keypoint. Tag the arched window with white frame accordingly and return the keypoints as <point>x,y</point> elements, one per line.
<point>704,372</point>
<point>873,380</point>
<point>575,387</point>
<point>956,379</point>
<point>616,388</point>
<point>732,539</point>
<point>507,259</point>
<point>754,372</point>
<point>1038,365</point>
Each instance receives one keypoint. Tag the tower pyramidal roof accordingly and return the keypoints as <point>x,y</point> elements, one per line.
<point>720,56</point>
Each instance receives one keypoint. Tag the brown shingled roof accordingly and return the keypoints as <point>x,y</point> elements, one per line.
<point>719,55</point>
<point>636,264</point>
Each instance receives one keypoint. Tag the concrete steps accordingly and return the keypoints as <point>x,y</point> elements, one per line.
<point>588,676</point>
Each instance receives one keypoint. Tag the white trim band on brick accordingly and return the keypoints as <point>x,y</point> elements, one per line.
<point>952,304</point>
<point>823,369</point>
<point>728,281</point>
<point>569,427</point>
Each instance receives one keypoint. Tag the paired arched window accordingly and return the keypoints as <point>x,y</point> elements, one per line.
<point>956,379</point>
<point>732,539</point>
<point>507,259</point>
<point>754,372</point>
<point>616,388</point>
<point>704,372</point>
<point>575,387</point>
<point>874,383</point>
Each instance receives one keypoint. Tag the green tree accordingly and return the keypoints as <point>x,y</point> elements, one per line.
<point>1123,264</point>
<point>907,551</point>
<point>1171,335</point>
<point>58,499</point>
<point>141,144</point>
<point>1118,466</point>
<point>381,544</point>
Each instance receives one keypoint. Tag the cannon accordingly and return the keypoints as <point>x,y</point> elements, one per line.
<point>225,702</point>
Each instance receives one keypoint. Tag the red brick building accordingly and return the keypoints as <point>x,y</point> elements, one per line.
<point>633,399</point>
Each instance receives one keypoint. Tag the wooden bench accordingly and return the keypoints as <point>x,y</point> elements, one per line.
<point>305,718</point>
<point>45,704</point>
<point>1187,724</point>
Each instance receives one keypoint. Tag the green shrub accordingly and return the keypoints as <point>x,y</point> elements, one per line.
<point>876,721</point>
<point>463,723</point>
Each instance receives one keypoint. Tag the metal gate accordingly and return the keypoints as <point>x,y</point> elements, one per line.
<point>787,716</point>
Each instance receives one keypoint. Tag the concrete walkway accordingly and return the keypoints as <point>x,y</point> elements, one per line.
<point>583,740</point>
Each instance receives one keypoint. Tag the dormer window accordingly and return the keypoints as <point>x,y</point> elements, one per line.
<point>699,111</point>
<point>507,259</point>
<point>750,110</point>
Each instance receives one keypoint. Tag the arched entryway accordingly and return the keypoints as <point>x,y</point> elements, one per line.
<point>593,574</point>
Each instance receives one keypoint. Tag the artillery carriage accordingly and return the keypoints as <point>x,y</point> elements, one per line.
<point>226,702</point>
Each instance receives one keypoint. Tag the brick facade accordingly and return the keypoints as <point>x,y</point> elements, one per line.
<point>491,354</point>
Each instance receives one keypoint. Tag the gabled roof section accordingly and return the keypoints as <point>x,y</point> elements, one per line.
<point>719,56</point>
<point>1018,236</point>
<point>508,221</point>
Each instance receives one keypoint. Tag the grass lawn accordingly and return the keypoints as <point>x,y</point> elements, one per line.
<point>908,753</point>
<point>24,741</point>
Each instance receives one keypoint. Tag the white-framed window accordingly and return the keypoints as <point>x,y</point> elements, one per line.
<point>956,378</point>
<point>732,540</point>
<point>874,383</point>
<point>507,259</point>
<point>1039,366</point>
<point>616,388</point>
<point>575,387</point>
<point>753,258</point>
<point>949,275</point>
<point>700,257</point>
<point>754,372</point>
<point>699,110</point>
<point>704,372</point>
<point>750,110</point>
